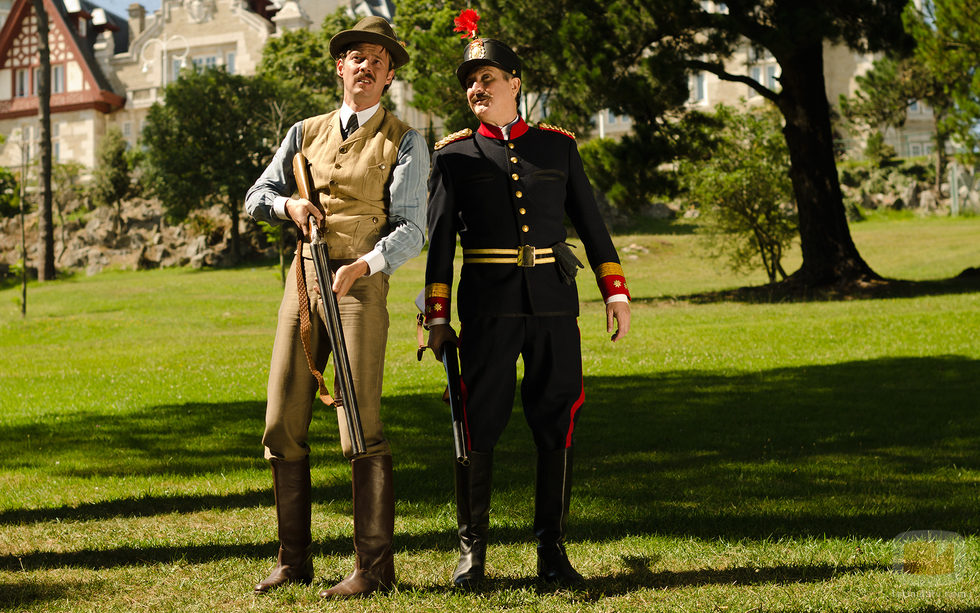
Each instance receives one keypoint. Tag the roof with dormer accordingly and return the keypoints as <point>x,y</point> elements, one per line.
<point>74,28</point>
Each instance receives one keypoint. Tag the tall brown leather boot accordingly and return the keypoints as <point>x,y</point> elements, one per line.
<point>551,501</point>
<point>291,484</point>
<point>374,529</point>
<point>473,518</point>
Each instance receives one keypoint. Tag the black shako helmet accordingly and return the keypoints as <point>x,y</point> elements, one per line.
<point>488,51</point>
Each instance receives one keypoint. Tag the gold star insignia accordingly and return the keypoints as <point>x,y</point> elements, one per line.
<point>617,284</point>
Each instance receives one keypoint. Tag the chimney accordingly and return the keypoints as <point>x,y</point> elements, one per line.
<point>137,20</point>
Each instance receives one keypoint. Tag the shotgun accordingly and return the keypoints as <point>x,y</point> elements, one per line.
<point>338,347</point>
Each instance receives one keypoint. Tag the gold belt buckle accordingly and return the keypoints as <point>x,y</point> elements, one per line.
<point>525,256</point>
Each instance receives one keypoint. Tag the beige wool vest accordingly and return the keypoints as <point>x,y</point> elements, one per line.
<point>352,178</point>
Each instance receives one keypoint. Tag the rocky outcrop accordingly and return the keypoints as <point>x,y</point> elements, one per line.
<point>94,240</point>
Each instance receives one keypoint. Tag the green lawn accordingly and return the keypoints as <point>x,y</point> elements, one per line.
<point>730,457</point>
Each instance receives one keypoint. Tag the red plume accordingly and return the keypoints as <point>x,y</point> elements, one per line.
<point>466,23</point>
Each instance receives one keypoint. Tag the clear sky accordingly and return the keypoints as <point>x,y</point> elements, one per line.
<point>121,7</point>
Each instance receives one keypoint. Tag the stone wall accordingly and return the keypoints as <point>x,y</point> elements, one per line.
<point>91,241</point>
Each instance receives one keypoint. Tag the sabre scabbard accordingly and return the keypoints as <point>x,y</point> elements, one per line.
<point>450,361</point>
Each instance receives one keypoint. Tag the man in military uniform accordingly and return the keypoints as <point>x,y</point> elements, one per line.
<point>506,190</point>
<point>368,169</point>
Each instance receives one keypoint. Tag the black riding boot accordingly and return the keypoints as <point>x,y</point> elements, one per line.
<point>291,484</point>
<point>472,517</point>
<point>552,494</point>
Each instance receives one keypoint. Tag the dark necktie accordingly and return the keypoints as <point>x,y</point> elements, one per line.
<point>351,125</point>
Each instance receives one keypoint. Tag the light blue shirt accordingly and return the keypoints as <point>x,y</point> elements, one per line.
<point>266,199</point>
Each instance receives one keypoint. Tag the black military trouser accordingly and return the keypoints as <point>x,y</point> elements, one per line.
<point>551,392</point>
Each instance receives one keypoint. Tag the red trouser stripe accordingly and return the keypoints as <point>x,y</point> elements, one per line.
<point>571,417</point>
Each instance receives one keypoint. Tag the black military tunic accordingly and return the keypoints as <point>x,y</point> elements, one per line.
<point>503,197</point>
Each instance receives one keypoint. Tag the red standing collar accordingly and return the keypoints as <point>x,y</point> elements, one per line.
<point>517,130</point>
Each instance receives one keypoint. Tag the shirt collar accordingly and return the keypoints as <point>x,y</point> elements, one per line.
<point>511,131</point>
<point>362,116</point>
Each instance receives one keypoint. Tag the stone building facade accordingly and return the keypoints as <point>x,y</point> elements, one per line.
<point>109,69</point>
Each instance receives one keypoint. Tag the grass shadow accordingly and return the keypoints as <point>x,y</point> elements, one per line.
<point>967,282</point>
<point>25,595</point>
<point>860,449</point>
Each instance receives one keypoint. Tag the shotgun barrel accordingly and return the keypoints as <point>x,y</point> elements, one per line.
<point>338,347</point>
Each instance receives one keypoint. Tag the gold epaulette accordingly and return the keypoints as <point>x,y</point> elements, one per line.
<point>452,138</point>
<point>560,130</point>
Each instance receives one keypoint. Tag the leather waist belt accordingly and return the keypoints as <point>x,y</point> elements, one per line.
<point>524,256</point>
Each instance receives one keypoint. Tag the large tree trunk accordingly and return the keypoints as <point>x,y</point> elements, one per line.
<point>45,271</point>
<point>829,254</point>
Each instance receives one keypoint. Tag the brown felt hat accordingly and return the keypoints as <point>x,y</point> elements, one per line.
<point>374,30</point>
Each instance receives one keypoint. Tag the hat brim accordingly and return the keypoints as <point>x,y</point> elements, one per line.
<point>464,69</point>
<point>342,40</point>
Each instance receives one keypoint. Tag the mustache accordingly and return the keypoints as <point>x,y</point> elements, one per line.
<point>482,96</point>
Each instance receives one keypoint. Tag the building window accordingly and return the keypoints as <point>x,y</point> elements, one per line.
<point>756,73</point>
<point>23,84</point>
<point>127,129</point>
<point>230,62</point>
<point>696,85</point>
<point>175,66</point>
<point>915,149</point>
<point>58,79</point>
<point>56,141</point>
<point>914,107</point>
<point>771,80</point>
<point>203,63</point>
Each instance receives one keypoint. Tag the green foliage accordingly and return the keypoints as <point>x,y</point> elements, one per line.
<point>744,192</point>
<point>9,193</point>
<point>68,194</point>
<point>111,183</point>
<point>300,62</point>
<point>630,172</point>
<point>877,150</point>
<point>210,140</point>
<point>204,141</point>
<point>947,36</point>
<point>435,50</point>
<point>564,53</point>
<point>883,96</point>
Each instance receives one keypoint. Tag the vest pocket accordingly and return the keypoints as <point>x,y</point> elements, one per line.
<point>374,180</point>
<point>367,232</point>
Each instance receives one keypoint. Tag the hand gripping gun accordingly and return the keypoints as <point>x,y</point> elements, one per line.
<point>454,388</point>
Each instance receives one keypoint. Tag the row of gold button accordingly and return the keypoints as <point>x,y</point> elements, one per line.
<point>518,193</point>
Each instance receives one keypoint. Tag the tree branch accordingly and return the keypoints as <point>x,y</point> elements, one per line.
<point>724,75</point>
